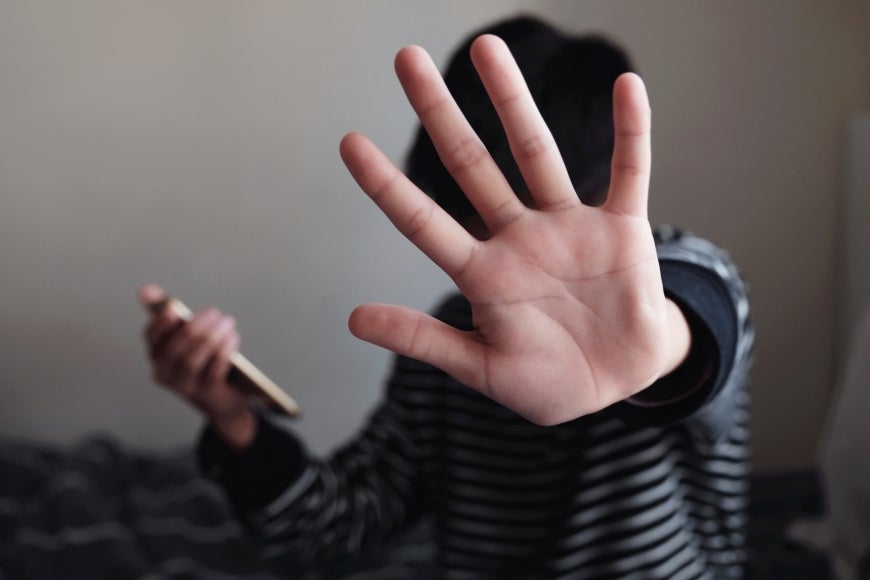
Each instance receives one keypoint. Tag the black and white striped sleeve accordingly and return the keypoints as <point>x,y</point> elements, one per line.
<point>307,511</point>
<point>708,389</point>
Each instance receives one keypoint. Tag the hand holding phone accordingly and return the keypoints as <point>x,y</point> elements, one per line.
<point>243,375</point>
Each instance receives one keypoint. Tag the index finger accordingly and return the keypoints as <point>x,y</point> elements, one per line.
<point>413,213</point>
<point>162,322</point>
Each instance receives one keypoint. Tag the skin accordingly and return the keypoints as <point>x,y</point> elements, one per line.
<point>567,300</point>
<point>192,360</point>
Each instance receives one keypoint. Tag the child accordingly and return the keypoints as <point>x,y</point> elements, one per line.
<point>579,410</point>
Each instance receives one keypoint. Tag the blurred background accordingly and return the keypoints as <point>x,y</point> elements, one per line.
<point>195,144</point>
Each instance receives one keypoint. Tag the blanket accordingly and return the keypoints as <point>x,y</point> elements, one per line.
<point>99,511</point>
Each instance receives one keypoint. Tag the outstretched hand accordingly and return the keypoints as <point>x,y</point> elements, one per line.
<point>568,309</point>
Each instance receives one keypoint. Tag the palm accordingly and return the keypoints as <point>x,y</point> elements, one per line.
<point>567,301</point>
<point>563,315</point>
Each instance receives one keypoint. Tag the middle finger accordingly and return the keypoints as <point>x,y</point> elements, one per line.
<point>531,141</point>
<point>460,149</point>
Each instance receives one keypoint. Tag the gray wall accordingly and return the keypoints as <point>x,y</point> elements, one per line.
<point>195,144</point>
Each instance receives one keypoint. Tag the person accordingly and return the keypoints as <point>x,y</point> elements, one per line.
<point>578,409</point>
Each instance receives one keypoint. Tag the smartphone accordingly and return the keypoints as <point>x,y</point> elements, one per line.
<point>243,374</point>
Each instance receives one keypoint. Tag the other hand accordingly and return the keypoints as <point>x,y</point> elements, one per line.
<point>191,359</point>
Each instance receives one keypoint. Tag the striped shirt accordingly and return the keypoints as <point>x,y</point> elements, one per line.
<point>650,488</point>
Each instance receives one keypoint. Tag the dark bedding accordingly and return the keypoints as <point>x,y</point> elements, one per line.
<point>99,512</point>
<point>96,511</point>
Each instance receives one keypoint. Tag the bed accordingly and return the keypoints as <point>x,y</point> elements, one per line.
<point>100,511</point>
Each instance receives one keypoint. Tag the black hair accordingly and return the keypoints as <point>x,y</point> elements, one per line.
<point>571,80</point>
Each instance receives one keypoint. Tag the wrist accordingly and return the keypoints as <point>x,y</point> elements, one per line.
<point>237,429</point>
<point>687,365</point>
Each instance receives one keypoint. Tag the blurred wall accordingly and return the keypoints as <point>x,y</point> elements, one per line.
<point>195,144</point>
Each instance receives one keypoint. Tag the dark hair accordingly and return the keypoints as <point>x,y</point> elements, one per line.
<point>571,79</point>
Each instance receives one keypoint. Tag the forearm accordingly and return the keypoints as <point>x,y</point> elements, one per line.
<point>255,474</point>
<point>347,507</point>
<point>312,510</point>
